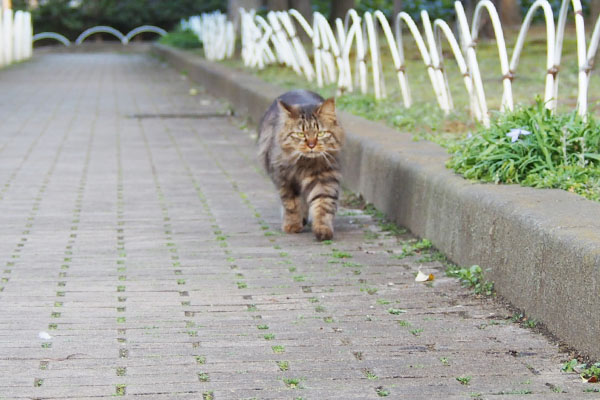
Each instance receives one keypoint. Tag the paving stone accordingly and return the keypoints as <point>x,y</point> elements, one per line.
<point>150,250</point>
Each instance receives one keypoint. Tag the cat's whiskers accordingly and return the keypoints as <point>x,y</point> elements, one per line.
<point>327,155</point>
<point>296,155</point>
<point>324,156</point>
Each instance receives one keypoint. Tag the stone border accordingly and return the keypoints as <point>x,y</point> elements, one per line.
<point>541,247</point>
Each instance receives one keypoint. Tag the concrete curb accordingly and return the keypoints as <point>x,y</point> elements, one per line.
<point>540,247</point>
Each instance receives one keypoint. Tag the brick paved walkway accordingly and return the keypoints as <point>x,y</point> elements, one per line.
<point>149,249</point>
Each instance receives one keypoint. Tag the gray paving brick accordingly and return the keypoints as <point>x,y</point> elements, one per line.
<point>111,243</point>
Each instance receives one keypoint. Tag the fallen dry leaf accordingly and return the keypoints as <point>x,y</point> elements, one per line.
<point>421,277</point>
<point>591,379</point>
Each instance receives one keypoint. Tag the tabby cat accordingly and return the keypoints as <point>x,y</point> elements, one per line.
<point>300,141</point>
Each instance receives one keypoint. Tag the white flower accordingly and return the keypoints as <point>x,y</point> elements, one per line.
<point>516,132</point>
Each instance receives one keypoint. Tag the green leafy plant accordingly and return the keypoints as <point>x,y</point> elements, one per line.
<point>534,147</point>
<point>472,277</point>
<point>590,373</point>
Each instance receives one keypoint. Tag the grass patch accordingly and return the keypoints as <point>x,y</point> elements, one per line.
<point>283,365</point>
<point>559,151</point>
<point>523,320</point>
<point>278,349</point>
<point>340,254</point>
<point>396,311</point>
<point>350,264</point>
<point>517,391</point>
<point>200,360</point>
<point>369,290</point>
<point>370,374</point>
<point>203,377</point>
<point>416,331</point>
<point>292,383</point>
<point>434,255</point>
<point>120,390</point>
<point>413,247</point>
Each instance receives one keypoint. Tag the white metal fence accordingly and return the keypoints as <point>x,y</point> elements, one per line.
<point>215,32</point>
<point>15,36</point>
<point>275,39</point>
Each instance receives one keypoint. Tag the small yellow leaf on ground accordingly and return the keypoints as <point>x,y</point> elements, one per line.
<point>421,277</point>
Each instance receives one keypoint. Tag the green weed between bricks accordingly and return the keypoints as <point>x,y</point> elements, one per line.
<point>549,151</point>
<point>471,277</point>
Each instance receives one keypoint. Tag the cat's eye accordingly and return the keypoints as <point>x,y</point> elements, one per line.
<point>299,134</point>
<point>321,133</point>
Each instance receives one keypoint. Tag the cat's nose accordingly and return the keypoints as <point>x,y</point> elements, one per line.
<point>311,143</point>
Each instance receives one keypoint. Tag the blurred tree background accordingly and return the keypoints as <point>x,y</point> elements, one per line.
<point>71,17</point>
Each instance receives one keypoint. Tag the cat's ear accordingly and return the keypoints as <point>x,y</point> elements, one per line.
<point>327,107</point>
<point>289,110</point>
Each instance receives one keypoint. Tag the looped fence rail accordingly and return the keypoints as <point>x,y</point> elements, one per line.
<point>265,42</point>
<point>124,39</point>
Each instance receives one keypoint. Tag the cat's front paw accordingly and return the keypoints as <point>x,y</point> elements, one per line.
<point>323,232</point>
<point>292,227</point>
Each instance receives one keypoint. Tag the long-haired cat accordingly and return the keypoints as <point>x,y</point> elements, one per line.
<point>300,141</point>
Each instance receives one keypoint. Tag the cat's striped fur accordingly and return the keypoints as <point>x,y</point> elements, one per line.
<point>300,141</point>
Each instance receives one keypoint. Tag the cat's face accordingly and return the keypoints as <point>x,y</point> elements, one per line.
<point>310,133</point>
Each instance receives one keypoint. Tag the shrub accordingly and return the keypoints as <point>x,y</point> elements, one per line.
<point>184,39</point>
